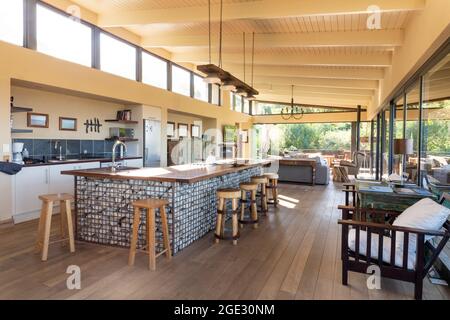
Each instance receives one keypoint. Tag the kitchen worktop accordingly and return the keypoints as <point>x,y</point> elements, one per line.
<point>189,173</point>
<point>70,161</point>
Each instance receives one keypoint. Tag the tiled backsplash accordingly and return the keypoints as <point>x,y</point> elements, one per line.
<point>40,148</point>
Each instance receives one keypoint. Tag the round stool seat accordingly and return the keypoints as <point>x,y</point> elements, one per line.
<point>248,186</point>
<point>271,175</point>
<point>150,203</point>
<point>260,179</point>
<point>56,197</point>
<point>229,193</point>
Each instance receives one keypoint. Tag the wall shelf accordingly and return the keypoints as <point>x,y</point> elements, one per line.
<point>21,131</point>
<point>122,121</point>
<point>122,139</point>
<point>15,109</point>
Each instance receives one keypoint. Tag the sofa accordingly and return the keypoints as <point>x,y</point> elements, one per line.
<point>300,170</point>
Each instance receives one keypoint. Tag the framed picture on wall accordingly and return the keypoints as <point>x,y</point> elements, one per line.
<point>244,136</point>
<point>67,124</point>
<point>195,131</point>
<point>37,120</point>
<point>170,129</point>
<point>230,133</point>
<point>183,130</point>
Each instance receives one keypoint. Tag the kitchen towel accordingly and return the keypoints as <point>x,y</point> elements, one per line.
<point>10,168</point>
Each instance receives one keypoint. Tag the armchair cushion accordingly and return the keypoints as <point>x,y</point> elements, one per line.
<point>424,214</point>
<point>374,248</point>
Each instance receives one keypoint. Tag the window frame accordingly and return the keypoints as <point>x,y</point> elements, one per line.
<point>190,79</point>
<point>49,7</point>
<point>166,61</point>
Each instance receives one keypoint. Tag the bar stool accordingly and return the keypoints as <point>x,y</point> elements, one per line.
<point>149,206</point>
<point>262,181</point>
<point>251,188</point>
<point>45,222</point>
<point>273,186</point>
<point>227,194</point>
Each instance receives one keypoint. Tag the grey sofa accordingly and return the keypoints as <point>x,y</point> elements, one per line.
<point>303,174</point>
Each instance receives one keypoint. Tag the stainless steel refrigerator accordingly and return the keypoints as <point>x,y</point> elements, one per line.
<point>152,143</point>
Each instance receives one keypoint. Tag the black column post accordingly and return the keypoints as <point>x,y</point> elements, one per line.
<point>29,24</point>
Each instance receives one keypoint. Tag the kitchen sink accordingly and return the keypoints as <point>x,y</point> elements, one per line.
<point>62,161</point>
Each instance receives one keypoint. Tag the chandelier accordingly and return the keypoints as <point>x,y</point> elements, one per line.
<point>293,111</point>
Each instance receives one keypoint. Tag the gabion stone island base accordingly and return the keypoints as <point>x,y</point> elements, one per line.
<point>105,213</point>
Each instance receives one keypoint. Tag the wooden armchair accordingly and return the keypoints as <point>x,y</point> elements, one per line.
<point>354,165</point>
<point>381,248</point>
<point>349,208</point>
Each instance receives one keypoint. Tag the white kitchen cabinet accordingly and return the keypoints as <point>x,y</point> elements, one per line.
<point>60,183</point>
<point>32,182</point>
<point>134,163</point>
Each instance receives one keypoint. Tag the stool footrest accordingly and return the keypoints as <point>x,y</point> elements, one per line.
<point>248,201</point>
<point>248,221</point>
<point>227,237</point>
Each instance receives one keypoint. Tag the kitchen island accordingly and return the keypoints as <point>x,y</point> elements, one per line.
<point>104,213</point>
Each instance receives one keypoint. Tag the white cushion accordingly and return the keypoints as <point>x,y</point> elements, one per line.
<point>374,248</point>
<point>424,214</point>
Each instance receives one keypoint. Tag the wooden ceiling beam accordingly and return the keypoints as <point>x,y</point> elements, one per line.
<point>384,38</point>
<point>298,59</point>
<point>308,72</point>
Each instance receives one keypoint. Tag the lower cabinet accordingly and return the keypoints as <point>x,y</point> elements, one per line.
<point>134,163</point>
<point>31,182</point>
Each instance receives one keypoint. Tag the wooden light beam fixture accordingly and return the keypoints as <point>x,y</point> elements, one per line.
<point>215,74</point>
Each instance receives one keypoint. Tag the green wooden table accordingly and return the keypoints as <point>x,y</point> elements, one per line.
<point>381,195</point>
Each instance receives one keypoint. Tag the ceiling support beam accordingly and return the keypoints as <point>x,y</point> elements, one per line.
<point>385,38</point>
<point>309,72</point>
<point>324,83</point>
<point>286,89</point>
<point>298,59</point>
<point>264,9</point>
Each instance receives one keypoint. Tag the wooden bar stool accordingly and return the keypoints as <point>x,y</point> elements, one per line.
<point>149,206</point>
<point>273,186</point>
<point>227,194</point>
<point>251,188</point>
<point>45,222</point>
<point>262,181</point>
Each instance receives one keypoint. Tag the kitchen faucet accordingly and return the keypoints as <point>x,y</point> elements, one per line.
<point>116,144</point>
<point>60,157</point>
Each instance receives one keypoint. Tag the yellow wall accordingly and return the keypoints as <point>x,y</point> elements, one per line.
<point>186,119</point>
<point>5,180</point>
<point>60,105</point>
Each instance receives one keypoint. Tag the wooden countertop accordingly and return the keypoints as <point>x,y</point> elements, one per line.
<point>183,173</point>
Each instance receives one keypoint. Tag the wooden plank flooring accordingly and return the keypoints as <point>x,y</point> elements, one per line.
<point>294,254</point>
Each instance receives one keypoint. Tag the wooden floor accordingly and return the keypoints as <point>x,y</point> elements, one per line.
<point>295,254</point>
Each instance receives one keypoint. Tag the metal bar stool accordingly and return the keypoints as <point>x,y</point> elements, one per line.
<point>149,206</point>
<point>251,188</point>
<point>273,187</point>
<point>262,181</point>
<point>45,222</point>
<point>227,194</point>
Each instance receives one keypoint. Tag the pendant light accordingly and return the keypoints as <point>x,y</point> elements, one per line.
<point>212,78</point>
<point>215,74</point>
<point>250,96</point>
<point>292,111</point>
<point>241,92</point>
